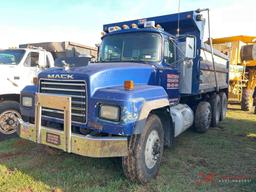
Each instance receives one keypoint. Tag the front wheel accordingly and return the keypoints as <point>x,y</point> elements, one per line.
<point>145,152</point>
<point>9,115</point>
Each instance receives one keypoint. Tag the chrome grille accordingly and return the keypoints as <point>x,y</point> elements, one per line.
<point>77,90</point>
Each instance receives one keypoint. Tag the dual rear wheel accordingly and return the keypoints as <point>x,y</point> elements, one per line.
<point>210,113</point>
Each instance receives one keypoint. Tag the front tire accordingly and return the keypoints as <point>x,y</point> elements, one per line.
<point>9,115</point>
<point>145,152</point>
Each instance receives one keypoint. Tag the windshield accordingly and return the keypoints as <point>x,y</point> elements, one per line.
<point>142,47</point>
<point>11,57</point>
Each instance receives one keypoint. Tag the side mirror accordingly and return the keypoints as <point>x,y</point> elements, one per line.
<point>37,64</point>
<point>190,47</point>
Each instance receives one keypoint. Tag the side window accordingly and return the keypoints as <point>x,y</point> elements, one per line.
<point>32,59</point>
<point>169,53</point>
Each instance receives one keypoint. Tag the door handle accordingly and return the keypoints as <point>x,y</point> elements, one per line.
<point>12,82</point>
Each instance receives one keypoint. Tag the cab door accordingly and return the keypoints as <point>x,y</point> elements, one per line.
<point>168,74</point>
<point>30,68</point>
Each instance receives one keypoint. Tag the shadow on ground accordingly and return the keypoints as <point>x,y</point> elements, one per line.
<point>4,137</point>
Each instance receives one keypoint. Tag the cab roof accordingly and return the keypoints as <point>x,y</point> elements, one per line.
<point>188,21</point>
<point>131,30</point>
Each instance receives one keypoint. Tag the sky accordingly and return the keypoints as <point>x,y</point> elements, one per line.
<point>81,21</point>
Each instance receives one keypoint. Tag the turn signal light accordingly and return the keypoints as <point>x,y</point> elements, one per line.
<point>128,85</point>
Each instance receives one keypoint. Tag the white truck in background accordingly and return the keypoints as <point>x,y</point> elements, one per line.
<point>19,67</point>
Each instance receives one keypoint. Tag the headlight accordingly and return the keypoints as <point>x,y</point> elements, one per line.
<point>27,101</point>
<point>110,112</point>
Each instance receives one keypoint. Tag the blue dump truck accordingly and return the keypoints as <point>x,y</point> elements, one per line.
<point>151,82</point>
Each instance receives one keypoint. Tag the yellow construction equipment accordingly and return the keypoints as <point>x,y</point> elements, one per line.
<point>242,53</point>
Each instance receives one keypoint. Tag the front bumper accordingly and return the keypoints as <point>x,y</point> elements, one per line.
<point>85,145</point>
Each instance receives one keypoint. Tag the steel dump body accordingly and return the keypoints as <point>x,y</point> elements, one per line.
<point>64,49</point>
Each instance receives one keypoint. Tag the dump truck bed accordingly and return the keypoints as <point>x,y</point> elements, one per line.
<point>207,78</point>
<point>64,49</point>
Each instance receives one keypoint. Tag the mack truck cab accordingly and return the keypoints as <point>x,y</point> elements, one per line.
<point>18,68</point>
<point>148,86</point>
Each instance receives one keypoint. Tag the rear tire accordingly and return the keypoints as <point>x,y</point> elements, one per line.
<point>216,110</point>
<point>245,103</point>
<point>203,117</point>
<point>145,152</point>
<point>224,105</point>
<point>9,115</point>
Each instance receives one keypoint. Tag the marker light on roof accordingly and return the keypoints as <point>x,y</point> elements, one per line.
<point>113,28</point>
<point>142,21</point>
<point>117,28</point>
<point>159,27</point>
<point>125,27</point>
<point>189,16</point>
<point>149,24</point>
<point>134,26</point>
<point>103,33</point>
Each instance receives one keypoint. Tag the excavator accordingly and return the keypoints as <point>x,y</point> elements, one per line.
<point>242,75</point>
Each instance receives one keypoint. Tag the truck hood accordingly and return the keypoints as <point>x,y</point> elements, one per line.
<point>102,75</point>
<point>7,71</point>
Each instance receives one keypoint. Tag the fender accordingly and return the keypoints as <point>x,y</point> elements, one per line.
<point>148,106</point>
<point>137,105</point>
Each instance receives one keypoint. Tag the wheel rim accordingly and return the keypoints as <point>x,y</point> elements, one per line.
<point>152,149</point>
<point>9,122</point>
